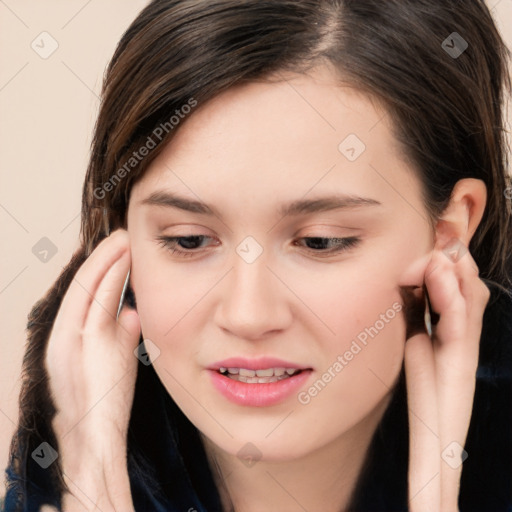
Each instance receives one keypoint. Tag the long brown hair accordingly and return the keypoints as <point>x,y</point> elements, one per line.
<point>446,110</point>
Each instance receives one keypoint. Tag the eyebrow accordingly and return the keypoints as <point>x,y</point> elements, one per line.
<point>297,207</point>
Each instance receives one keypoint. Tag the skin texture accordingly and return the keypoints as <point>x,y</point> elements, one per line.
<point>94,394</point>
<point>245,153</point>
<point>289,303</point>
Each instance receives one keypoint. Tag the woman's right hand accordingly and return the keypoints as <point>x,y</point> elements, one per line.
<point>92,369</point>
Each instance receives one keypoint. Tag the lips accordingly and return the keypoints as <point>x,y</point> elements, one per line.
<point>261,376</point>
<point>257,382</point>
<point>261,363</point>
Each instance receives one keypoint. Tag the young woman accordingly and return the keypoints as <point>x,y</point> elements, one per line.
<point>309,206</point>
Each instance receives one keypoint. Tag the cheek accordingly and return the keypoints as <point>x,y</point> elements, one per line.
<point>362,361</point>
<point>354,300</point>
<point>166,292</point>
<point>168,303</point>
<point>363,335</point>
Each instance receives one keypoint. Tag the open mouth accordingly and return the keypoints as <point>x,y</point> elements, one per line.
<point>258,382</point>
<point>263,376</point>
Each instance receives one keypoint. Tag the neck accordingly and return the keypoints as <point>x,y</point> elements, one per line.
<point>323,480</point>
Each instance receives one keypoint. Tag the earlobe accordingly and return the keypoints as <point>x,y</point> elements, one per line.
<point>464,212</point>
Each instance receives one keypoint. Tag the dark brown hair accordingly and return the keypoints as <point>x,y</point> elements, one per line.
<point>446,111</point>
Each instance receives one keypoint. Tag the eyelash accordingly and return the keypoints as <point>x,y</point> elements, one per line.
<point>343,244</point>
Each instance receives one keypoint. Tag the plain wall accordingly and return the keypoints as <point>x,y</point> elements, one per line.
<point>47,110</point>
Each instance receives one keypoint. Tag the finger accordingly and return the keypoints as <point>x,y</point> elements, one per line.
<point>65,336</point>
<point>109,371</point>
<point>77,300</point>
<point>424,460</point>
<point>108,345</point>
<point>445,298</point>
<point>102,313</point>
<point>458,332</point>
<point>452,383</point>
<point>456,364</point>
<point>64,358</point>
<point>475,293</point>
<point>129,328</point>
<point>128,337</point>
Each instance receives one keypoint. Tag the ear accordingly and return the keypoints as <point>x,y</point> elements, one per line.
<point>464,212</point>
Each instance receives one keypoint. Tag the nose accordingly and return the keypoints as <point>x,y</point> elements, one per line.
<point>254,302</point>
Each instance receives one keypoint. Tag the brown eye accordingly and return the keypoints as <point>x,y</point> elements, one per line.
<point>182,245</point>
<point>330,245</point>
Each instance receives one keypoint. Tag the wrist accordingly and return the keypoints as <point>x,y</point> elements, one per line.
<point>84,494</point>
<point>94,478</point>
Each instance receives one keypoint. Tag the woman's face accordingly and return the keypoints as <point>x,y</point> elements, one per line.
<point>286,272</point>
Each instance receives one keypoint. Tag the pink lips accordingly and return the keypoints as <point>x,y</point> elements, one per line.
<point>258,394</point>
<point>255,364</point>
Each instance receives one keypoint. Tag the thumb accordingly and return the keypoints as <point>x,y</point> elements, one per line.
<point>424,452</point>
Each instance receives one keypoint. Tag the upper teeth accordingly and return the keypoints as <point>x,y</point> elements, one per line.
<point>267,372</point>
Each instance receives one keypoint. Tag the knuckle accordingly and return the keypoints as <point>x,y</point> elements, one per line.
<point>486,293</point>
<point>474,269</point>
<point>119,237</point>
<point>88,332</point>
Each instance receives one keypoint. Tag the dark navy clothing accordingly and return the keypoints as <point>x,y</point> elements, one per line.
<point>170,471</point>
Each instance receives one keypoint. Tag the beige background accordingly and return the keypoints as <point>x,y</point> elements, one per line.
<point>47,110</point>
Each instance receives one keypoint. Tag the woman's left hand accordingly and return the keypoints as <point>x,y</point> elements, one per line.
<point>440,377</point>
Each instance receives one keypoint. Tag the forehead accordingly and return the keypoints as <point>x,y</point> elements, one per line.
<point>281,112</point>
<point>282,138</point>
